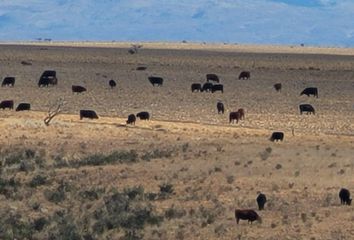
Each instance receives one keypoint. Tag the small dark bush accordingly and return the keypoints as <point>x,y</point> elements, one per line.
<point>39,224</point>
<point>38,181</point>
<point>99,159</point>
<point>134,192</point>
<point>173,212</point>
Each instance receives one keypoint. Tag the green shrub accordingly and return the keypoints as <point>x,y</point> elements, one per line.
<point>100,159</point>
<point>38,180</point>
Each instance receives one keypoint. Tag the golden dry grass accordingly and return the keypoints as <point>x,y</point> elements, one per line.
<point>210,163</point>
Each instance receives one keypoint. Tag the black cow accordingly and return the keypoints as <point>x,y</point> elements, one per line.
<point>218,87</point>
<point>220,107</point>
<point>276,136</point>
<point>112,83</point>
<point>277,87</point>
<point>212,77</point>
<point>141,68</point>
<point>143,115</point>
<point>7,104</point>
<point>207,87</point>
<point>196,87</point>
<point>8,81</point>
<point>344,196</point>
<point>88,114</point>
<point>247,214</point>
<point>234,116</point>
<point>78,89</point>
<point>48,77</point>
<point>244,75</point>
<point>156,80</point>
<point>131,119</point>
<point>23,107</point>
<point>261,200</point>
<point>306,108</point>
<point>310,91</point>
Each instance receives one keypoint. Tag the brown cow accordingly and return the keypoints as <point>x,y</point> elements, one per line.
<point>242,113</point>
<point>247,214</point>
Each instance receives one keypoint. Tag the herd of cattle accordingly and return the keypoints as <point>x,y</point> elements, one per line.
<point>212,85</point>
<point>49,78</point>
<point>251,215</point>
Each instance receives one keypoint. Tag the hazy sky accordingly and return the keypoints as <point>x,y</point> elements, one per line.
<point>313,22</point>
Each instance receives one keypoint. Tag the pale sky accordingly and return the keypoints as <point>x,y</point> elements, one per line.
<point>290,22</point>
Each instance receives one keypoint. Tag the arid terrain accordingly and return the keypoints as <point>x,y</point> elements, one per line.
<point>182,174</point>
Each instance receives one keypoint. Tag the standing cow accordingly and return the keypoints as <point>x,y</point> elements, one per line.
<point>344,196</point>
<point>88,114</point>
<point>247,214</point>
<point>309,109</point>
<point>234,116</point>
<point>7,104</point>
<point>276,136</point>
<point>131,119</point>
<point>220,107</point>
<point>196,87</point>
<point>244,75</point>
<point>277,87</point>
<point>261,200</point>
<point>8,81</point>
<point>310,91</point>
<point>242,113</point>
<point>143,115</point>
<point>217,87</point>
<point>23,107</point>
<point>158,81</point>
<point>112,83</point>
<point>212,77</point>
<point>207,87</point>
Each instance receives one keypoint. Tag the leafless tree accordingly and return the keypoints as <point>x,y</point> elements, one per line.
<point>54,110</point>
<point>134,48</point>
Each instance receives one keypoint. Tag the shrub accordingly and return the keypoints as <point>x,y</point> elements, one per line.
<point>100,159</point>
<point>39,224</point>
<point>173,212</point>
<point>38,181</point>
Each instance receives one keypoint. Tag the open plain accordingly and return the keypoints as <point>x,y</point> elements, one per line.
<point>182,174</point>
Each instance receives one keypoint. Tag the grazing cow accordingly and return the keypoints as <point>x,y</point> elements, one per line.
<point>48,77</point>
<point>131,119</point>
<point>234,116</point>
<point>156,80</point>
<point>261,200</point>
<point>247,214</point>
<point>141,68</point>
<point>196,87</point>
<point>306,108</point>
<point>212,77</point>
<point>8,81</point>
<point>310,91</point>
<point>23,107</point>
<point>88,114</point>
<point>217,87</point>
<point>143,116</point>
<point>344,196</point>
<point>7,104</point>
<point>220,107</point>
<point>207,87</point>
<point>112,83</point>
<point>242,113</point>
<point>277,87</point>
<point>244,75</point>
<point>78,89</point>
<point>276,136</point>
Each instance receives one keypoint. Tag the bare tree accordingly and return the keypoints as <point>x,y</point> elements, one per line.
<point>54,110</point>
<point>134,48</point>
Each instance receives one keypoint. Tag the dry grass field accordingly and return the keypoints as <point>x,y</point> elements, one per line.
<point>182,174</point>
